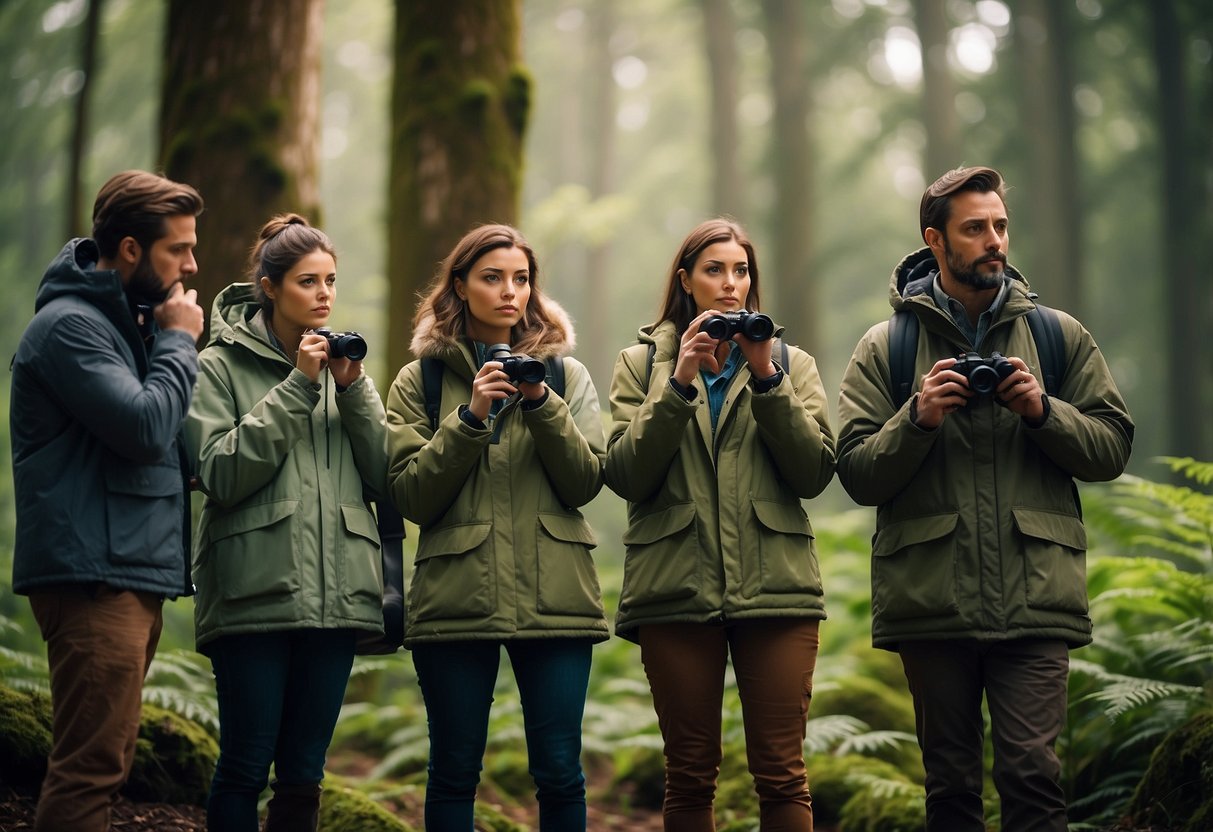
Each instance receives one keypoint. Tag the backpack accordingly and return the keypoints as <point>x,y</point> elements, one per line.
<point>903,350</point>
<point>431,383</point>
<point>648,367</point>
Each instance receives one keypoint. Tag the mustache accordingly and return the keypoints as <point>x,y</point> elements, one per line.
<point>993,258</point>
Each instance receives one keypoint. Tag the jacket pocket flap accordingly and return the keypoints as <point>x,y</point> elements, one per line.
<point>569,528</point>
<point>1065,529</point>
<point>251,517</point>
<point>659,524</point>
<point>451,540</point>
<point>896,536</point>
<point>361,522</point>
<point>145,480</point>
<point>787,518</point>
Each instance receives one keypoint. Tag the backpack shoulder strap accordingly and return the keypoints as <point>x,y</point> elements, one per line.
<point>555,379</point>
<point>431,386</point>
<point>783,355</point>
<point>1050,345</point>
<point>903,351</point>
<point>648,367</point>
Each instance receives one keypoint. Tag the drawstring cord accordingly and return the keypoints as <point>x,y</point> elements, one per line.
<point>326,420</point>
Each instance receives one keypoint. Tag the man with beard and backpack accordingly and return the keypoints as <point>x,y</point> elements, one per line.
<point>979,557</point>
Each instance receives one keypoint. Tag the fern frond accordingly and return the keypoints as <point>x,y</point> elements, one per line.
<point>825,732</point>
<point>874,741</point>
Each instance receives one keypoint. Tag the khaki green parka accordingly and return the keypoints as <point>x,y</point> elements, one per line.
<point>286,539</point>
<point>503,551</point>
<point>716,530</point>
<point>979,531</point>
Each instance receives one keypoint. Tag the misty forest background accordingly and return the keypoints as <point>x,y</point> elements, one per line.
<point>605,131</point>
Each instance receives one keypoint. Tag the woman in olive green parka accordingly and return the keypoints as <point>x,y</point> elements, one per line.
<point>288,441</point>
<point>503,556</point>
<point>714,443</point>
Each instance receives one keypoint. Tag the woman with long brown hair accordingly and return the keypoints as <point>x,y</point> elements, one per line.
<point>494,478</point>
<point>715,440</point>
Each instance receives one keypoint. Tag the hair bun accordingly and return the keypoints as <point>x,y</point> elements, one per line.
<point>277,224</point>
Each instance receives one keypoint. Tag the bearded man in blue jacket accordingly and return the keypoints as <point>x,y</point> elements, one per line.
<point>979,558</point>
<point>101,383</point>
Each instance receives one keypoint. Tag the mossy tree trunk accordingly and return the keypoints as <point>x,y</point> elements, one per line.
<point>1184,136</point>
<point>938,89</point>
<point>720,34</point>
<point>460,102</point>
<point>788,286</point>
<point>239,120</point>
<point>77,224</point>
<point>1044,74</point>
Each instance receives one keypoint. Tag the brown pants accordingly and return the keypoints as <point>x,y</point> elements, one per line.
<point>773,660</point>
<point>1024,681</point>
<point>99,643</point>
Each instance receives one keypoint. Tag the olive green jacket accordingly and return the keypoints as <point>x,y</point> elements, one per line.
<point>503,551</point>
<point>286,539</point>
<point>716,530</point>
<point>979,531</point>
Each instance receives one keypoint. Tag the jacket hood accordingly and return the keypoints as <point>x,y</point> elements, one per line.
<point>235,305</point>
<point>74,272</point>
<point>428,342</point>
<point>916,271</point>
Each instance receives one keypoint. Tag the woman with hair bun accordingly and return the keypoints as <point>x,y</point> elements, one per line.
<point>494,471</point>
<point>288,445</point>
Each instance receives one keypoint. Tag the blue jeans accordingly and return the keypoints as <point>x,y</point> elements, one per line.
<point>279,697</point>
<point>457,680</point>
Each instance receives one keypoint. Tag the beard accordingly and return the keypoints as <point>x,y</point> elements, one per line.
<point>971,273</point>
<point>145,284</point>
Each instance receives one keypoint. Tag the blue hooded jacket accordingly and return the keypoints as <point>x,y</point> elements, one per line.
<point>95,415</point>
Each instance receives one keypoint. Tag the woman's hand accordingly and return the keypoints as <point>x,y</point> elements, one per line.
<point>313,355</point>
<point>345,371</point>
<point>696,351</point>
<point>489,385</point>
<point>757,355</point>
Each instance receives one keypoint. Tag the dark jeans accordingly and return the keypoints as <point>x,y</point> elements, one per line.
<point>1024,681</point>
<point>457,680</point>
<point>279,696</point>
<point>99,644</point>
<point>773,660</point>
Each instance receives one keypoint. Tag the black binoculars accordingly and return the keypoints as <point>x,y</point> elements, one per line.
<point>755,326</point>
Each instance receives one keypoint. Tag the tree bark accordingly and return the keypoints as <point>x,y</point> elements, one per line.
<point>600,141</point>
<point>720,30</point>
<point>1184,234</point>
<point>938,89</point>
<point>460,102</point>
<point>1045,78</point>
<point>76,226</point>
<point>239,121</point>
<point>788,287</point>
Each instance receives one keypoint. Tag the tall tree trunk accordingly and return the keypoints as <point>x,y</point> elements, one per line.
<point>239,120</point>
<point>720,30</point>
<point>1184,232</point>
<point>938,89</point>
<point>789,287</point>
<point>88,66</point>
<point>600,141</point>
<point>460,103</point>
<point>1045,79</point>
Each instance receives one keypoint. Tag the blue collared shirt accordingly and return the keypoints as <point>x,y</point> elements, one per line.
<point>717,384</point>
<point>975,334</point>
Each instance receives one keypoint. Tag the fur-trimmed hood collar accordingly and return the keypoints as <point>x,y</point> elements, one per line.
<point>427,342</point>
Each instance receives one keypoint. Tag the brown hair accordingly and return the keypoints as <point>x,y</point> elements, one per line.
<point>536,326</point>
<point>679,305</point>
<point>936,206</point>
<point>135,203</point>
<point>283,241</point>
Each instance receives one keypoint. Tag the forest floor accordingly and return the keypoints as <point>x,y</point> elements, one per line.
<point>17,815</point>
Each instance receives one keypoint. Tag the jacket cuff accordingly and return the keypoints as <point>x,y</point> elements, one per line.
<point>688,393</point>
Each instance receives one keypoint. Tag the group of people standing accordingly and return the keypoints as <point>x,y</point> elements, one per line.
<point>716,439</point>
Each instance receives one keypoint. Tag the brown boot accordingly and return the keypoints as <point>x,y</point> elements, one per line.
<point>293,807</point>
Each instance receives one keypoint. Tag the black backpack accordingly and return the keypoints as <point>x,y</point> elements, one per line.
<point>903,350</point>
<point>431,383</point>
